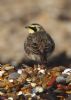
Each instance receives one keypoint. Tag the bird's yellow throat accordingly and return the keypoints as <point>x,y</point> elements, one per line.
<point>30,30</point>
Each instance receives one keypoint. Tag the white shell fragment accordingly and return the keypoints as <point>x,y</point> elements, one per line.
<point>1,73</point>
<point>28,80</point>
<point>42,71</point>
<point>11,80</point>
<point>19,93</point>
<point>39,89</point>
<point>38,68</point>
<point>19,71</point>
<point>33,84</point>
<point>10,98</point>
<point>67,71</point>
<point>33,95</point>
<point>9,68</point>
<point>1,93</point>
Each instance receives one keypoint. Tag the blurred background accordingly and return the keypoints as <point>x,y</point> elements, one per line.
<point>53,15</point>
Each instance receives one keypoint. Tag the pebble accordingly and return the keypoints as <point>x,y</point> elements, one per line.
<point>11,80</point>
<point>33,94</point>
<point>2,90</point>
<point>13,75</point>
<point>19,71</point>
<point>67,71</point>
<point>39,89</point>
<point>1,73</point>
<point>68,79</point>
<point>9,68</point>
<point>28,80</point>
<point>20,93</point>
<point>33,84</point>
<point>1,93</point>
<point>42,71</point>
<point>60,79</point>
<point>38,68</point>
<point>10,98</point>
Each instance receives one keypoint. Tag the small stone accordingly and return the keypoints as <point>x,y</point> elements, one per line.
<point>11,80</point>
<point>69,97</point>
<point>21,97</point>
<point>67,71</point>
<point>33,95</point>
<point>33,84</point>
<point>58,91</point>
<point>39,89</point>
<point>13,75</point>
<point>9,68</point>
<point>19,71</point>
<point>33,90</point>
<point>60,79</point>
<point>1,93</point>
<point>3,97</point>
<point>28,80</point>
<point>1,73</point>
<point>42,71</point>
<point>38,68</point>
<point>68,79</point>
<point>19,93</point>
<point>2,90</point>
<point>10,98</point>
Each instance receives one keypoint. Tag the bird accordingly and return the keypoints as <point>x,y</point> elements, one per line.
<point>38,45</point>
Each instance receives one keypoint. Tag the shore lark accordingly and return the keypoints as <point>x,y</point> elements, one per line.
<point>38,44</point>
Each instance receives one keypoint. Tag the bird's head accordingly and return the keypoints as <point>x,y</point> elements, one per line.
<point>34,28</point>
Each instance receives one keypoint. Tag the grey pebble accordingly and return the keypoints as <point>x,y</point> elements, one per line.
<point>13,75</point>
<point>60,79</point>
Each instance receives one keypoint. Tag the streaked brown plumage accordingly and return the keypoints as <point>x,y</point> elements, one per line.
<point>38,45</point>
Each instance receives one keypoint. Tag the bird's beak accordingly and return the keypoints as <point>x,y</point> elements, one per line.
<point>29,29</point>
<point>27,26</point>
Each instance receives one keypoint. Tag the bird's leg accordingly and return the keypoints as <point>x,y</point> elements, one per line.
<point>44,60</point>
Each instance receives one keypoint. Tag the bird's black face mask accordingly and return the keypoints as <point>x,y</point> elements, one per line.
<point>33,28</point>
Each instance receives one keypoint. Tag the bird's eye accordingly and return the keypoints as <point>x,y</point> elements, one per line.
<point>35,44</point>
